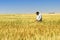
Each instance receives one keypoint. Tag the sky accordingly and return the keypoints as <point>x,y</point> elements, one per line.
<point>29,6</point>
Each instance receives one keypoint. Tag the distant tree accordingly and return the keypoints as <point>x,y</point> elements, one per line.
<point>51,12</point>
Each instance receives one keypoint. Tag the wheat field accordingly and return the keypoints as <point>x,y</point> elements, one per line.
<point>25,27</point>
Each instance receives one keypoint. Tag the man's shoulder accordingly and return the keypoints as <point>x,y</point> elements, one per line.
<point>40,14</point>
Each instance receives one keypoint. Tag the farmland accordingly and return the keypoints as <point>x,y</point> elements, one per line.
<point>25,27</point>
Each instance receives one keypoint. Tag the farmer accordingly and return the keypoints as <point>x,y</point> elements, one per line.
<point>39,16</point>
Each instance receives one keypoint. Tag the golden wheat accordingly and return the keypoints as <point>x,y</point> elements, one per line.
<point>25,27</point>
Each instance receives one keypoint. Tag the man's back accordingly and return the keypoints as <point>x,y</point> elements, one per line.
<point>39,17</point>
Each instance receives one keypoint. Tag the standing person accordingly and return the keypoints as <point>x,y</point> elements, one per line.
<point>39,16</point>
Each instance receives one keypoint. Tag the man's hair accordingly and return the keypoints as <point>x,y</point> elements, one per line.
<point>37,13</point>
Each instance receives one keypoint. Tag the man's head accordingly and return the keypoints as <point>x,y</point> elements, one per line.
<point>37,13</point>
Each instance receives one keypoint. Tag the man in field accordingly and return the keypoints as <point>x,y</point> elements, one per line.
<point>39,16</point>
